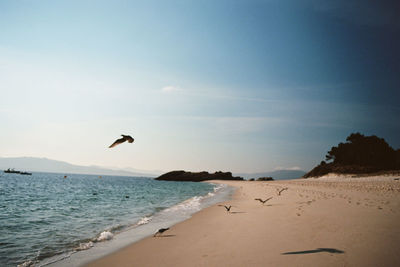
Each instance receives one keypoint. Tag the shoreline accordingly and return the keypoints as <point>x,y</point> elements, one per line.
<point>317,222</point>
<point>167,217</point>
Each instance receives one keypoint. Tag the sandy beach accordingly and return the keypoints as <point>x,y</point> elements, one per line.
<point>329,221</point>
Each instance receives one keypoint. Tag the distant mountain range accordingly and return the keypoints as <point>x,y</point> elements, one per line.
<point>48,165</point>
<point>33,164</point>
<point>277,175</point>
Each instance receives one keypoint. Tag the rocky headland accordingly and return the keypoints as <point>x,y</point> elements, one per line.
<point>359,155</point>
<point>184,176</point>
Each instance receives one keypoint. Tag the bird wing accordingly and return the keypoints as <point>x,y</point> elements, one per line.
<point>117,142</point>
<point>259,199</point>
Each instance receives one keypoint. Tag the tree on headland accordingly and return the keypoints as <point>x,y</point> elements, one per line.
<point>359,154</point>
<point>363,150</point>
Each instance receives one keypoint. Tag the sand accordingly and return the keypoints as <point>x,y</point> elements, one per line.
<point>329,221</point>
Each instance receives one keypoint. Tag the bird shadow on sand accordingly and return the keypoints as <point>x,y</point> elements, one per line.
<point>236,212</point>
<point>318,250</point>
<point>165,236</point>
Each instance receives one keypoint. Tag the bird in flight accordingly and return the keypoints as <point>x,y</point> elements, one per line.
<point>228,209</point>
<point>160,231</point>
<point>123,139</point>
<point>279,191</point>
<point>263,201</point>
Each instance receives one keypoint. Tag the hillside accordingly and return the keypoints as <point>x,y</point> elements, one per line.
<point>32,164</point>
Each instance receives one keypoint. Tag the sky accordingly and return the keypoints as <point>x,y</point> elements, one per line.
<point>241,86</point>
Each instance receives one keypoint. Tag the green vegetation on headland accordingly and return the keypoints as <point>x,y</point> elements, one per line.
<point>359,155</point>
<point>196,176</point>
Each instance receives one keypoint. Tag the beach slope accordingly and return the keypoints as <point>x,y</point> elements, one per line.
<point>329,221</point>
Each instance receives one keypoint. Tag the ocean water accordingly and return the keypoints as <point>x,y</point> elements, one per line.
<point>46,219</point>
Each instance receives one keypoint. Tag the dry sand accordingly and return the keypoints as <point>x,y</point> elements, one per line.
<point>329,221</point>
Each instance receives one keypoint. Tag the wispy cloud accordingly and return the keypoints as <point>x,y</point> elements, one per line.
<point>280,168</point>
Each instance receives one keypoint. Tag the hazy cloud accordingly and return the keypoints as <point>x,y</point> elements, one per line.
<point>280,168</point>
<point>170,88</point>
<point>243,125</point>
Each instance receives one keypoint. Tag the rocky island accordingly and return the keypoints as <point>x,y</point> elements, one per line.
<point>184,176</point>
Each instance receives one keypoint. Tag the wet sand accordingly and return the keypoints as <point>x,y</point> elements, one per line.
<point>329,221</point>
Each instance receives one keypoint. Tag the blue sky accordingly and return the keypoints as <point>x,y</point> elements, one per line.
<point>242,86</point>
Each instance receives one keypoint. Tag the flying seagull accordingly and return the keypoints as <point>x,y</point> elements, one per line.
<point>123,139</point>
<point>228,209</point>
<point>160,231</point>
<point>263,201</point>
<point>279,191</point>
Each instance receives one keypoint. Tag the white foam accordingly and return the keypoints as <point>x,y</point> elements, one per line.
<point>84,246</point>
<point>189,204</point>
<point>144,220</point>
<point>194,203</point>
<point>26,264</point>
<point>106,235</point>
<point>218,187</point>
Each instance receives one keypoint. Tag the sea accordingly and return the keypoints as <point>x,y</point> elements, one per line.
<point>54,219</point>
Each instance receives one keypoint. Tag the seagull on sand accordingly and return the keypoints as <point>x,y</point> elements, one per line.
<point>160,231</point>
<point>228,209</point>
<point>263,201</point>
<point>123,139</point>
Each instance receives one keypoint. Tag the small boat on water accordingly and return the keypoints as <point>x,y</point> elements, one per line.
<point>11,171</point>
<point>14,171</point>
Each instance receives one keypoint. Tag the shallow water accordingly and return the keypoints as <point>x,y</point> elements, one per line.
<point>45,215</point>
